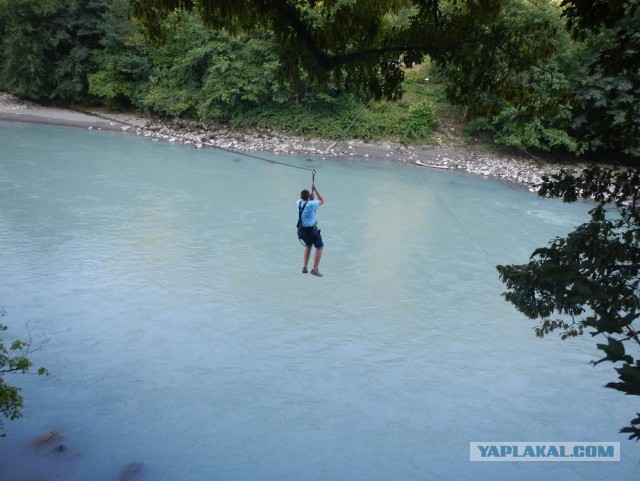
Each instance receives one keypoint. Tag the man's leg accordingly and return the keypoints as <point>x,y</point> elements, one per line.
<point>305,257</point>
<point>316,258</point>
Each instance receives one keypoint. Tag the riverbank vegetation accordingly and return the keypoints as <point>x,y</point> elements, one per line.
<point>529,84</point>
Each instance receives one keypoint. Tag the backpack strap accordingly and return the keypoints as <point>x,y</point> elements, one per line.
<point>300,209</point>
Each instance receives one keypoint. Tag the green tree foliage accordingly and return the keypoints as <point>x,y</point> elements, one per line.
<point>364,46</point>
<point>318,38</point>
<point>483,76</point>
<point>590,279</point>
<point>510,63</point>
<point>13,359</point>
<point>608,96</point>
<point>208,74</point>
<point>421,116</point>
<point>217,78</point>
<point>47,45</point>
<point>584,97</point>
<point>121,62</point>
<point>542,118</point>
<point>343,117</point>
<point>25,46</point>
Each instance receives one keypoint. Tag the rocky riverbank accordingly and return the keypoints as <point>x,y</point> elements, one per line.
<point>522,169</point>
<point>515,168</point>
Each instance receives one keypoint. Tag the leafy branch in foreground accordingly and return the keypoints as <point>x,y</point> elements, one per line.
<point>13,359</point>
<point>590,279</point>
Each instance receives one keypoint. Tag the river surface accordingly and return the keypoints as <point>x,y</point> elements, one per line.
<point>181,334</point>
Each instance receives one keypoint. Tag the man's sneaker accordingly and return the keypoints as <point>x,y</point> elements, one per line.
<point>304,270</point>
<point>315,272</point>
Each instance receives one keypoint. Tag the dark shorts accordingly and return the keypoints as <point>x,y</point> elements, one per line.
<point>311,236</point>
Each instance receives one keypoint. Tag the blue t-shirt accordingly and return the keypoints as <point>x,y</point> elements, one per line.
<point>309,212</point>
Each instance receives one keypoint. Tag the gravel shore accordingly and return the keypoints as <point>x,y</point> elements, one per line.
<point>521,169</point>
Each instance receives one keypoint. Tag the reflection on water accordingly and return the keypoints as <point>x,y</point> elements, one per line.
<point>185,344</point>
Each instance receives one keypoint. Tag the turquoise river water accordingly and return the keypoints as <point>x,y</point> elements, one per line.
<point>181,334</point>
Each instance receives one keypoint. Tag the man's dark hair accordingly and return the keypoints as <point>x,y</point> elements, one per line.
<point>305,194</point>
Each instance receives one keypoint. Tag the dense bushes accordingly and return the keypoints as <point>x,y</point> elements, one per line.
<point>47,47</point>
<point>209,75</point>
<point>216,78</point>
<point>91,52</point>
<point>573,102</point>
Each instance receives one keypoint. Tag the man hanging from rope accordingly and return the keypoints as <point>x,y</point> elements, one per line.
<point>308,231</point>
